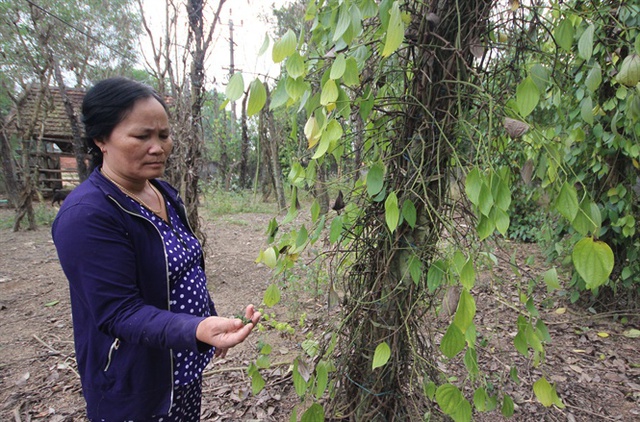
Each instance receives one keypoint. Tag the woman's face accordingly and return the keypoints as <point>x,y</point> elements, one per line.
<point>139,145</point>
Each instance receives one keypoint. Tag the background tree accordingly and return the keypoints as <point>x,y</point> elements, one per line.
<point>32,39</point>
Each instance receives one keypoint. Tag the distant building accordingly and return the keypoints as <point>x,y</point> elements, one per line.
<point>52,152</point>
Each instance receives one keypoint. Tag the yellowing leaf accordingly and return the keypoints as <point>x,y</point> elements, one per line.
<point>312,131</point>
<point>269,257</point>
<point>561,311</point>
<point>603,334</point>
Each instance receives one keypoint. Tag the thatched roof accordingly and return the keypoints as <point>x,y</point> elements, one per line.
<point>56,125</point>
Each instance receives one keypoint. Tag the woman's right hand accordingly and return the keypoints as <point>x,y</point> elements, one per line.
<point>224,333</point>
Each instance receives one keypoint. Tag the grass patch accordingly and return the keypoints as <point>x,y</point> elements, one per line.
<point>44,216</point>
<point>219,202</point>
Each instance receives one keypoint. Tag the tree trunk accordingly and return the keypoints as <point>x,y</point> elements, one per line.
<point>384,303</point>
<point>272,144</point>
<point>244,149</point>
<point>320,188</point>
<point>78,144</point>
<point>9,169</point>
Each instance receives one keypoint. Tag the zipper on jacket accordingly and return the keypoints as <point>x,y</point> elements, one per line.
<point>114,346</point>
<point>168,284</point>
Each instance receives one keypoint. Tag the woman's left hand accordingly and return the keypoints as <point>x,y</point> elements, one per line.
<point>224,333</point>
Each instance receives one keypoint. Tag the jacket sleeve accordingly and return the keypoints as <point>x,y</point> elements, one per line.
<point>97,256</point>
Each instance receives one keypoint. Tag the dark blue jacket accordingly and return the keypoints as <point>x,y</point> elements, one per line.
<point>115,261</point>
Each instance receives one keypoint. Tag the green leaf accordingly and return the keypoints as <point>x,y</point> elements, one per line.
<point>463,412</point>
<point>480,399</point>
<point>52,303</point>
<point>322,379</point>
<point>257,97</point>
<point>235,87</point>
<point>567,202</point>
<point>395,31</point>
<point>263,362</point>
<point>465,312</point>
<point>468,275</point>
<point>449,398</point>
<point>540,75</point>
<point>315,210</point>
<point>272,230</point>
<point>486,200</point>
<point>508,409</point>
<point>295,88</point>
<point>257,382</point>
<point>527,96</point>
<point>265,44</point>
<point>546,393</point>
<point>284,47</point>
<point>391,211</point>
<point>343,24</point>
<point>315,413</point>
<point>585,43</point>
<point>415,269</point>
<point>563,34</point>
<point>586,110</point>
<point>550,278</point>
<point>435,275</point>
<point>409,213</point>
<point>333,131</point>
<point>375,179</point>
<point>594,78</point>
<point>473,185</point>
<point>338,67</point>
<point>295,66</point>
<point>351,76</point>
<point>329,92</point>
<point>271,295</point>
<point>588,219</point>
<point>381,355</point>
<point>501,192</point>
<point>501,220</point>
<point>453,341</point>
<point>279,96</point>
<point>322,149</point>
<point>299,374</point>
<point>593,259</point>
<point>520,343</point>
<point>485,228</point>
<point>335,230</point>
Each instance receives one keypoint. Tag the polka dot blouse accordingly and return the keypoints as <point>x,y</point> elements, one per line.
<point>188,282</point>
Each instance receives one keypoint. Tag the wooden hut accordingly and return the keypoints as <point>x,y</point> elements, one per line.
<point>52,152</point>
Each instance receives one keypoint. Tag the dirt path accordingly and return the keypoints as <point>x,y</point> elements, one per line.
<point>598,376</point>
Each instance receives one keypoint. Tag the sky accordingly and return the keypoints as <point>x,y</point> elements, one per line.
<point>249,31</point>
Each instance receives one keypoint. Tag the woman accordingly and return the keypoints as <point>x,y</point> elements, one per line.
<point>144,324</point>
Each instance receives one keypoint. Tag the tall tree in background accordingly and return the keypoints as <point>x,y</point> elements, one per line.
<point>182,62</point>
<point>41,44</point>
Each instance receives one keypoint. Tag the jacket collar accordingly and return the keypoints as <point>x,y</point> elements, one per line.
<point>110,190</point>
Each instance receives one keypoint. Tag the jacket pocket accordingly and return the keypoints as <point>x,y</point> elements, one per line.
<point>114,346</point>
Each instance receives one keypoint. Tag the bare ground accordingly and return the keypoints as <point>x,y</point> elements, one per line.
<point>595,366</point>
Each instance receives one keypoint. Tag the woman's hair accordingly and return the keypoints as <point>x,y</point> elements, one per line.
<point>106,105</point>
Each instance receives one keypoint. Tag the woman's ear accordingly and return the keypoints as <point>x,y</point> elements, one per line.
<point>100,144</point>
